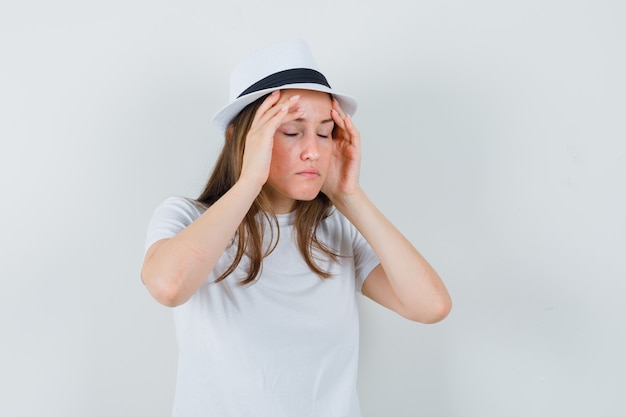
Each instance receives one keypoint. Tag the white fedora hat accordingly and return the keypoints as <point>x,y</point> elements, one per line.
<point>279,66</point>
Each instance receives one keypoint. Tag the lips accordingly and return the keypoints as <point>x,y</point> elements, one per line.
<point>309,173</point>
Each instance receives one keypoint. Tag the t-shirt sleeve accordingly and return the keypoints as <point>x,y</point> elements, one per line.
<point>170,217</point>
<point>365,260</point>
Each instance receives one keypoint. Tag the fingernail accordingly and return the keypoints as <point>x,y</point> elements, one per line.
<point>275,92</point>
<point>294,98</point>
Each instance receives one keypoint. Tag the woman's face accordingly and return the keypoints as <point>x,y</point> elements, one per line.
<point>302,152</point>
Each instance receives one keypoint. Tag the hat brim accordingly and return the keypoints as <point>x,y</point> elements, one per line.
<point>226,114</point>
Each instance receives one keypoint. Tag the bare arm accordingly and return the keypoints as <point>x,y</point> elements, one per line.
<point>175,268</point>
<point>404,281</point>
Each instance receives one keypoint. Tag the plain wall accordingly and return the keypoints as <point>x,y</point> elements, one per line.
<point>494,137</point>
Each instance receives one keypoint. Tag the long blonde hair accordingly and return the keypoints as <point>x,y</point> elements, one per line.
<point>249,236</point>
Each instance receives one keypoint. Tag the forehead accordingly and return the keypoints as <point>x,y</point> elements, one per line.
<point>317,96</point>
<point>316,105</point>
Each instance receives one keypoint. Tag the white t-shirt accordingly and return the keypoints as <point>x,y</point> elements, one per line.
<point>285,345</point>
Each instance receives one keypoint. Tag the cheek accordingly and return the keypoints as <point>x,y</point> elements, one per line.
<point>280,158</point>
<point>326,150</point>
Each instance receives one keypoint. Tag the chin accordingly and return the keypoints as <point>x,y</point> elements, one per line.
<point>307,196</point>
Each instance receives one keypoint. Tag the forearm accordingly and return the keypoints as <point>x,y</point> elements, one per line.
<point>417,287</point>
<point>175,268</point>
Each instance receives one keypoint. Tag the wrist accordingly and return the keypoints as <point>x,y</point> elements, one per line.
<point>346,202</point>
<point>249,186</point>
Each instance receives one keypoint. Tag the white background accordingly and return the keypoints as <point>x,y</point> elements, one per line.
<point>494,136</point>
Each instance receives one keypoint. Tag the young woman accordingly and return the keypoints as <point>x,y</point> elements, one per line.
<point>264,267</point>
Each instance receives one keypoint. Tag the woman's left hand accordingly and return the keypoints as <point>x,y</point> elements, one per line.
<point>342,179</point>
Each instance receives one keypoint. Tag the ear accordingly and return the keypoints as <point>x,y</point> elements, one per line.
<point>229,132</point>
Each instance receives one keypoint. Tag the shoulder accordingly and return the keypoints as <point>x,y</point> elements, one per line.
<point>180,207</point>
<point>336,222</point>
<point>171,216</point>
<point>348,241</point>
<point>337,230</point>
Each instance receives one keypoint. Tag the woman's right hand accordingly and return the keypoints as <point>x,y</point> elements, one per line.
<point>257,156</point>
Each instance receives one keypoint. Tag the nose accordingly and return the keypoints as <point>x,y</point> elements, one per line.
<point>310,151</point>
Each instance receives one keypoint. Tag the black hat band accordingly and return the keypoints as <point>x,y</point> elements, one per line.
<point>290,76</point>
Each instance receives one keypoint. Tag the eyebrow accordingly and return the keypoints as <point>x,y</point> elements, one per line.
<point>300,119</point>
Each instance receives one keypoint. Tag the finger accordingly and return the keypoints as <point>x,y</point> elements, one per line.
<point>337,107</point>
<point>339,121</point>
<point>279,110</point>
<point>352,130</point>
<point>267,104</point>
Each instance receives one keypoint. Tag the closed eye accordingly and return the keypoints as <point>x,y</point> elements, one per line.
<point>325,133</point>
<point>289,132</point>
